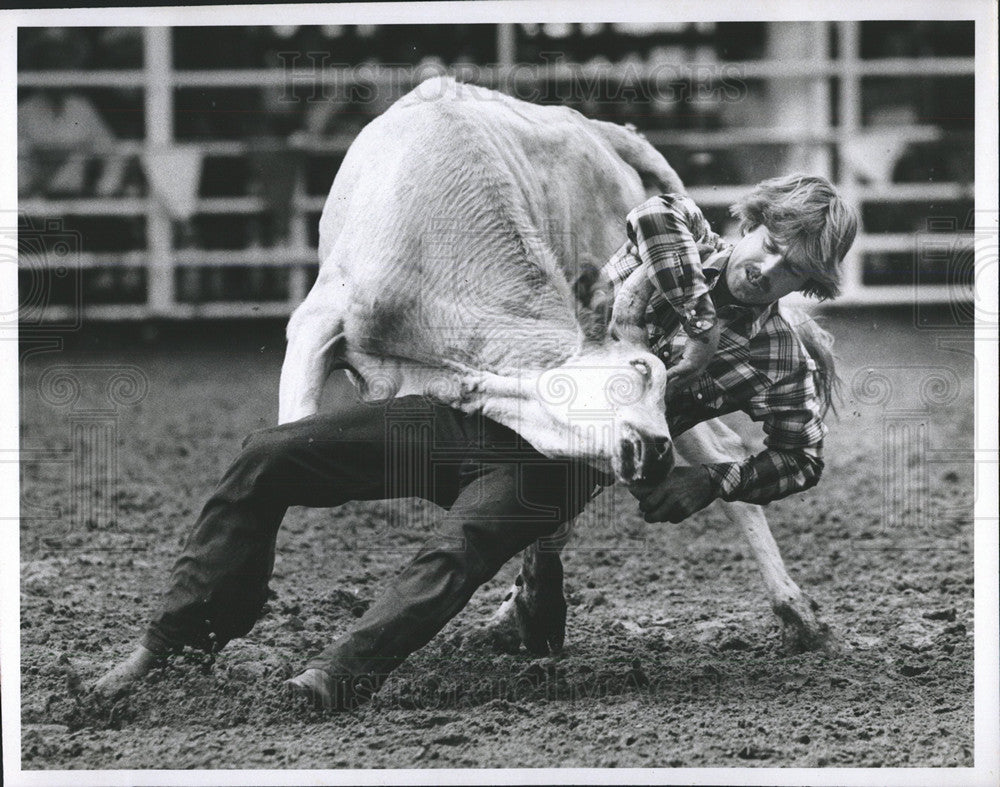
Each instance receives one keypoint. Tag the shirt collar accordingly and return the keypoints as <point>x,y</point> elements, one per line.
<point>715,264</point>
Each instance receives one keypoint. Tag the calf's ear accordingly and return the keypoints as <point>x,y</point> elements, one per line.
<point>586,284</point>
<point>594,298</point>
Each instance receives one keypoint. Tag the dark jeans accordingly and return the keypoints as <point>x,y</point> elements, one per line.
<point>500,493</point>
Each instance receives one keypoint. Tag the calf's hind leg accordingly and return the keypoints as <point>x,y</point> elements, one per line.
<point>802,630</point>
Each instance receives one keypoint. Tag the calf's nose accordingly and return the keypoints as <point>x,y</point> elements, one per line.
<point>659,459</point>
<point>643,457</point>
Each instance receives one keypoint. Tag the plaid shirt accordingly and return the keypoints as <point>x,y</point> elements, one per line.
<point>760,367</point>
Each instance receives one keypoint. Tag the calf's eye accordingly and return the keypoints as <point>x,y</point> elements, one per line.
<point>642,368</point>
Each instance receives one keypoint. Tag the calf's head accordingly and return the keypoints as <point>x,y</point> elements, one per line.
<point>606,405</point>
<point>616,412</point>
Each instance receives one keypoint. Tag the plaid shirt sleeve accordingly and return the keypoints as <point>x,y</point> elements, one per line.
<point>792,416</point>
<point>664,231</point>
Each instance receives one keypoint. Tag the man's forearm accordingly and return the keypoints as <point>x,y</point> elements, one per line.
<point>770,475</point>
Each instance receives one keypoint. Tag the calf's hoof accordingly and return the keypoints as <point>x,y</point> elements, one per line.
<point>532,613</point>
<point>802,631</point>
<point>541,615</point>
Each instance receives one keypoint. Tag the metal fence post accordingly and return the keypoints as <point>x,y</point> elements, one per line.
<point>159,135</point>
<point>506,46</point>
<point>850,125</point>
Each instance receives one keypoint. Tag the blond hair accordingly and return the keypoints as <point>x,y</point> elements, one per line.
<point>808,218</point>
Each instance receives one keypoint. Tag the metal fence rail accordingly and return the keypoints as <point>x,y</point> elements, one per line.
<point>815,77</point>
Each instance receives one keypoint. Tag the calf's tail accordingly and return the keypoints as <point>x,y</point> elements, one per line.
<point>315,345</point>
<point>658,177</point>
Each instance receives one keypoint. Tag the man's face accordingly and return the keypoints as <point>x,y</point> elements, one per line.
<point>759,272</point>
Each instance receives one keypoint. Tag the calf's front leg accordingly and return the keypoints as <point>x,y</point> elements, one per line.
<point>802,630</point>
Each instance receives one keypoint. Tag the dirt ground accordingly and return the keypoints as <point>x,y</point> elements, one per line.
<point>672,656</point>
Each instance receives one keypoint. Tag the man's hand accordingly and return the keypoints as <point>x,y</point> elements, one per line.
<point>698,351</point>
<point>680,494</point>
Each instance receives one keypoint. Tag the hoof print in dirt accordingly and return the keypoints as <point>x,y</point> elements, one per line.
<point>912,670</point>
<point>252,671</point>
<point>751,752</point>
<point>734,642</point>
<point>495,637</point>
<point>541,674</point>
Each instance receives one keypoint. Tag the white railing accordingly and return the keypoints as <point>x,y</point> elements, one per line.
<point>158,80</point>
